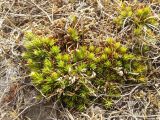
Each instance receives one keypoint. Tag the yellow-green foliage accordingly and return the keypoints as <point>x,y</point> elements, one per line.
<point>78,77</point>
<point>138,17</point>
<point>73,34</point>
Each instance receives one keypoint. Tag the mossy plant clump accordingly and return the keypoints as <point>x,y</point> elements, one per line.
<point>141,18</point>
<point>79,77</point>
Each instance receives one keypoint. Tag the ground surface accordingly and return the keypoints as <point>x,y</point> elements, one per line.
<point>51,18</point>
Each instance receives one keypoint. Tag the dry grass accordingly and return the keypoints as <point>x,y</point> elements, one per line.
<point>51,18</point>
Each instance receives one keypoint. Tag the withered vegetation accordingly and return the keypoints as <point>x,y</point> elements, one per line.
<point>112,51</point>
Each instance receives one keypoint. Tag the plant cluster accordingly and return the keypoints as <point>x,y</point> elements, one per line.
<point>73,34</point>
<point>79,77</point>
<point>140,17</point>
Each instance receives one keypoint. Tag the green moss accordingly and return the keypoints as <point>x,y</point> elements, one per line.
<point>73,34</point>
<point>136,16</point>
<point>78,77</point>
